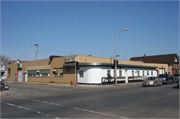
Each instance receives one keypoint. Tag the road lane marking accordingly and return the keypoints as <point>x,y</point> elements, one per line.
<point>81,109</point>
<point>39,112</point>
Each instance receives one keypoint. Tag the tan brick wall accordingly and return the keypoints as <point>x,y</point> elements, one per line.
<point>13,71</point>
<point>55,63</point>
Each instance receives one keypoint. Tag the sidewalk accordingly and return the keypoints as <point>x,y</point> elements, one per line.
<point>78,85</point>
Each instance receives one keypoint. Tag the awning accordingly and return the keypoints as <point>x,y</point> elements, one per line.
<point>108,65</point>
<point>2,70</point>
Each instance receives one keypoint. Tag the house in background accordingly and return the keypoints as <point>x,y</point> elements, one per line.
<point>170,59</point>
<point>3,65</point>
<point>3,72</point>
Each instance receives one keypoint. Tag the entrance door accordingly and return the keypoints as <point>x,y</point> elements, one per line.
<point>15,77</point>
<point>161,71</point>
<point>24,77</point>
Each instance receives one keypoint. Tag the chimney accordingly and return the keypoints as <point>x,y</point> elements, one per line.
<point>144,55</point>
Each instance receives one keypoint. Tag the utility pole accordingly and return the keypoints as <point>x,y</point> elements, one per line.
<point>36,51</point>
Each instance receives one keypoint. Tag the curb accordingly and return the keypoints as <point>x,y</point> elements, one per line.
<point>78,85</point>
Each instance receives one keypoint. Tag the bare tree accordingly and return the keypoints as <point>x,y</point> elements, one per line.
<point>3,58</point>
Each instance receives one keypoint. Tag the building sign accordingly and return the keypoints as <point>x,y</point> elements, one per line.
<point>60,70</point>
<point>70,59</point>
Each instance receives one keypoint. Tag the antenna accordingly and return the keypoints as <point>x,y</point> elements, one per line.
<point>36,51</point>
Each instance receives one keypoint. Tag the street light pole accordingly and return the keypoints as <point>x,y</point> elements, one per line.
<point>36,51</point>
<point>115,56</point>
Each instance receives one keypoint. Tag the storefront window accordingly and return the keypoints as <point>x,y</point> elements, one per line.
<point>31,73</point>
<point>39,73</point>
<point>44,72</point>
<point>81,73</point>
<point>55,72</point>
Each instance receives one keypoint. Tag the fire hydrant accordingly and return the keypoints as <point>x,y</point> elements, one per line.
<point>71,82</point>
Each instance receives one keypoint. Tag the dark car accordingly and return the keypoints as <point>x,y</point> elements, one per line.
<point>166,78</point>
<point>176,78</point>
<point>178,83</point>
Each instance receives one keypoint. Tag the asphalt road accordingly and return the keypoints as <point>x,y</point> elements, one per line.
<point>57,101</point>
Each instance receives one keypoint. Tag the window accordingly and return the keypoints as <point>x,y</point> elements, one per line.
<point>61,72</point>
<point>67,69</point>
<point>152,73</point>
<point>9,72</point>
<point>137,73</point>
<point>147,73</point>
<point>143,73</point>
<point>132,73</point>
<point>39,73</point>
<point>108,73</point>
<point>31,73</point>
<point>120,73</point>
<point>44,72</point>
<point>55,72</point>
<point>81,73</point>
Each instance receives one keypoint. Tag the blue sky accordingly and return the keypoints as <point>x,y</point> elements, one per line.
<point>88,27</point>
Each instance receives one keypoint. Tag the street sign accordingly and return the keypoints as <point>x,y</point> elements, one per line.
<point>117,55</point>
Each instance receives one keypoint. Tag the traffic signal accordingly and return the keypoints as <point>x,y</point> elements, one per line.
<point>115,63</point>
<point>77,65</point>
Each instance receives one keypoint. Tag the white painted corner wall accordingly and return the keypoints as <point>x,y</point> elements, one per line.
<point>93,74</point>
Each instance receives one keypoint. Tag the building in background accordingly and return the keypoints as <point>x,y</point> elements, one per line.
<point>3,71</point>
<point>81,69</point>
<point>170,59</point>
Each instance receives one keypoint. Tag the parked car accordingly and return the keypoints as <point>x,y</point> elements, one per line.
<point>176,78</point>
<point>166,78</point>
<point>4,86</point>
<point>178,83</point>
<point>152,81</point>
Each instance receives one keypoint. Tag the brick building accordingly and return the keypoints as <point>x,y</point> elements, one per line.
<point>60,69</point>
<point>170,59</point>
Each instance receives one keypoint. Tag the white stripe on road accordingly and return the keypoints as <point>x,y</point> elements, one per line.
<point>72,107</point>
<point>10,104</point>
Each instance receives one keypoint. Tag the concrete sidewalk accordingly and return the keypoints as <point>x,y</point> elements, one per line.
<point>78,85</point>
